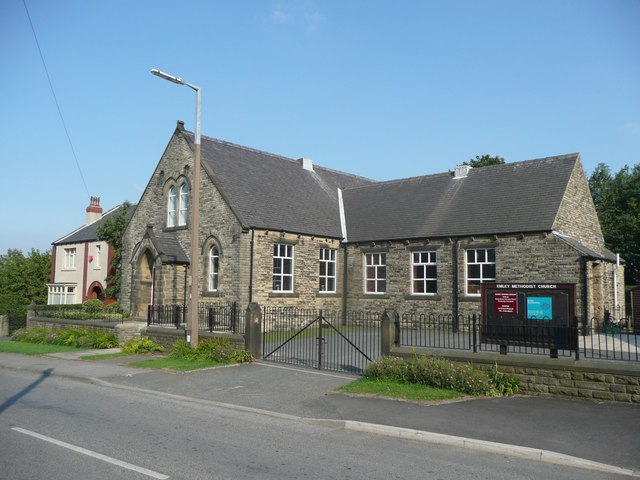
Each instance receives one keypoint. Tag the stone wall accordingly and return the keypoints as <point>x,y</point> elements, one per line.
<point>521,258</point>
<point>577,215</point>
<point>306,255</point>
<point>124,331</point>
<point>168,336</point>
<point>564,377</point>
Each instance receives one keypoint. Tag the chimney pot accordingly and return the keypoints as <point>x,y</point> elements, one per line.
<point>94,210</point>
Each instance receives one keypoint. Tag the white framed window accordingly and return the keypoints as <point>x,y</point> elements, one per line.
<point>97,258</point>
<point>61,294</point>
<point>69,258</point>
<point>184,204</point>
<point>172,202</point>
<point>214,265</point>
<point>282,267</point>
<point>424,273</point>
<point>481,268</point>
<point>375,273</point>
<point>327,274</point>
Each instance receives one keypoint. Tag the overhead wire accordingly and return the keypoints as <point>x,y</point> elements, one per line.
<point>64,124</point>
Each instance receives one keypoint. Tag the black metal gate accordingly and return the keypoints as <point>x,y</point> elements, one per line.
<point>321,340</point>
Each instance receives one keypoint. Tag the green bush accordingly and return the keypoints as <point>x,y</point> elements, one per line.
<point>141,345</point>
<point>75,337</point>
<point>432,371</point>
<point>92,306</point>
<point>503,383</point>
<point>217,349</point>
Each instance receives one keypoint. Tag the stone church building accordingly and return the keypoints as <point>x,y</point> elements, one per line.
<point>286,232</point>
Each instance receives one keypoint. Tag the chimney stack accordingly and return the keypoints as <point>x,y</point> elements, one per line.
<point>94,210</point>
<point>462,171</point>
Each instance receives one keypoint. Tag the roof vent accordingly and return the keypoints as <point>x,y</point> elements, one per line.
<point>462,171</point>
<point>306,163</point>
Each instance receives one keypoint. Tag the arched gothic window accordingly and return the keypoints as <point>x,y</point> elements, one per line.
<point>214,264</point>
<point>184,204</point>
<point>178,205</point>
<point>171,207</point>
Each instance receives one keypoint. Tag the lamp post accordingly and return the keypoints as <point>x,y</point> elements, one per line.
<point>195,211</point>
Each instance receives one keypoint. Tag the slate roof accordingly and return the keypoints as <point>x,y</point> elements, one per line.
<point>509,198</point>
<point>586,251</point>
<point>274,192</point>
<point>168,247</point>
<point>89,233</point>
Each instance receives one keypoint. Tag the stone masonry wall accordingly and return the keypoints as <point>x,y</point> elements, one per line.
<point>577,215</point>
<point>526,258</point>
<point>306,271</point>
<point>218,225</point>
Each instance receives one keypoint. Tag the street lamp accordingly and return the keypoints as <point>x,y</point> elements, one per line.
<point>195,211</point>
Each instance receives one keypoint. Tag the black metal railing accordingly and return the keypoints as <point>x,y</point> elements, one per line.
<point>212,317</point>
<point>321,339</point>
<point>593,341</point>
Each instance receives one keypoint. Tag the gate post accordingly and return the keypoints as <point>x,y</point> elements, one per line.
<point>387,334</point>
<point>253,330</point>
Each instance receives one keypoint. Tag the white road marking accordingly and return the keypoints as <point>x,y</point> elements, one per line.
<point>304,370</point>
<point>90,453</point>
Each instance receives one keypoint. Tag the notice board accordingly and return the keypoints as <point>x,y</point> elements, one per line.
<point>536,314</point>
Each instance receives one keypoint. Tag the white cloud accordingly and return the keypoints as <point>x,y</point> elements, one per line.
<point>301,12</point>
<point>632,128</point>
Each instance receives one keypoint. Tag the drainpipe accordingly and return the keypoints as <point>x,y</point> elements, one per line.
<point>615,288</point>
<point>345,281</point>
<point>454,266</point>
<point>251,267</point>
<point>585,294</point>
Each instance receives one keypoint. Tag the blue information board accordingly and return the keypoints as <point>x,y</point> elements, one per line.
<point>539,308</point>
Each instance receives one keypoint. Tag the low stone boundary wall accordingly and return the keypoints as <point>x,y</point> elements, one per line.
<point>124,331</point>
<point>168,336</point>
<point>597,380</point>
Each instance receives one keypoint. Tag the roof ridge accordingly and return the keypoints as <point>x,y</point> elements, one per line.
<point>434,175</point>
<point>278,156</point>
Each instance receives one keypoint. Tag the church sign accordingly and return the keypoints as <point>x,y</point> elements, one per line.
<point>529,314</point>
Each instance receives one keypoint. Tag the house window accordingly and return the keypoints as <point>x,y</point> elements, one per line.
<point>375,280</point>
<point>70,258</point>
<point>425,273</point>
<point>282,267</point>
<point>327,276</point>
<point>214,264</point>
<point>97,257</point>
<point>184,204</point>
<point>61,294</point>
<point>172,202</point>
<point>481,268</point>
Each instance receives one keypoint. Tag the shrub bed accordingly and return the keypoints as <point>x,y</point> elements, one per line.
<point>141,345</point>
<point>442,373</point>
<point>218,350</point>
<point>73,337</point>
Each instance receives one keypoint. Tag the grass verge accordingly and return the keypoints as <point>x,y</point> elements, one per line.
<point>25,348</point>
<point>397,389</point>
<point>177,364</point>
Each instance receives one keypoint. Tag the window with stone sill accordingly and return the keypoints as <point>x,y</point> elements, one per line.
<point>481,268</point>
<point>327,274</point>
<point>424,273</point>
<point>375,273</point>
<point>282,268</point>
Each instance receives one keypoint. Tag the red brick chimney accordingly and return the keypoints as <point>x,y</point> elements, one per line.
<point>94,210</point>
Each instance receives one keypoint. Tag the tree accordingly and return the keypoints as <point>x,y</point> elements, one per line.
<point>617,201</point>
<point>484,161</point>
<point>111,231</point>
<point>23,280</point>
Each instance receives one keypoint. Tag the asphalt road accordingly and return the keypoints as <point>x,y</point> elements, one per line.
<point>101,426</point>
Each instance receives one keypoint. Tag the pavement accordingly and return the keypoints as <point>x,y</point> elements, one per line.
<point>602,436</point>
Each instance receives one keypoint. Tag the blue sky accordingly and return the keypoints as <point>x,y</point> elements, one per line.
<point>380,89</point>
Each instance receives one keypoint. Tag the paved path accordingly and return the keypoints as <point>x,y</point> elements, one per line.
<point>608,433</point>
